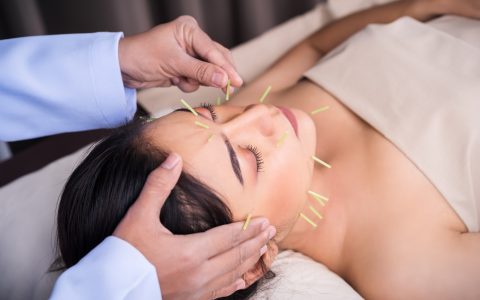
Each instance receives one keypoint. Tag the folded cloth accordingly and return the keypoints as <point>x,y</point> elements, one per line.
<point>418,84</point>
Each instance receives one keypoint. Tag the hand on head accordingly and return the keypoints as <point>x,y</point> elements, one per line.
<point>176,53</point>
<point>205,265</point>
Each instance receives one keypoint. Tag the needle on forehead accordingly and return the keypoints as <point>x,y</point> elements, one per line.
<point>198,123</point>
<point>227,94</point>
<point>189,107</point>
<point>264,95</point>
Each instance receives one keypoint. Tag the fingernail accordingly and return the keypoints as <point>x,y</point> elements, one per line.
<point>240,285</point>
<point>171,161</point>
<point>271,232</point>
<point>219,79</point>
<point>263,250</point>
<point>175,80</point>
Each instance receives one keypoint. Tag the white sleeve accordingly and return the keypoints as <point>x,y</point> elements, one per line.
<point>61,83</point>
<point>113,270</point>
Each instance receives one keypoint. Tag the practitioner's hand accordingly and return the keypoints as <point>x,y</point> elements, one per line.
<point>205,265</point>
<point>176,53</point>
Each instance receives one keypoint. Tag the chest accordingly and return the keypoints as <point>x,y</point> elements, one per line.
<point>394,212</point>
<point>387,201</point>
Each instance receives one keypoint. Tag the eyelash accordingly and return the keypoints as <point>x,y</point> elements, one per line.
<point>210,109</point>
<point>256,153</point>
<point>258,157</point>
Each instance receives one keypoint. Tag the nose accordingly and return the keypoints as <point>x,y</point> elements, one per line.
<point>257,117</point>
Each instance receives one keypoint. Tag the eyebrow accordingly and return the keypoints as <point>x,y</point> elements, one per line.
<point>233,159</point>
<point>231,152</point>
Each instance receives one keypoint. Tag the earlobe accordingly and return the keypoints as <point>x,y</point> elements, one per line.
<point>262,266</point>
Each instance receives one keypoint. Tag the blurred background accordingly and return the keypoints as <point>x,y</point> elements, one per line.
<point>230,22</point>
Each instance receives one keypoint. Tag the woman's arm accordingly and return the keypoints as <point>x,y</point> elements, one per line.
<point>447,268</point>
<point>291,66</point>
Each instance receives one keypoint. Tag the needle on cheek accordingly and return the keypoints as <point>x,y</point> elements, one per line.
<point>318,160</point>
<point>210,138</point>
<point>321,199</point>
<point>247,222</point>
<point>282,139</point>
<point>315,212</point>
<point>320,109</point>
<point>314,225</point>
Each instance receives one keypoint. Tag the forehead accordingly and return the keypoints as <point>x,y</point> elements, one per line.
<point>206,160</point>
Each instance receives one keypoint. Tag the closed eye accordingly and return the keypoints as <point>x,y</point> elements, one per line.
<point>211,109</point>
<point>258,157</point>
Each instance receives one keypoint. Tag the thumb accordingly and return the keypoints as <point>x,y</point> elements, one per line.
<point>204,72</point>
<point>159,184</point>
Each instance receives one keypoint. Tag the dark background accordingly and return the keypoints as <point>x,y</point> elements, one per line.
<point>229,22</point>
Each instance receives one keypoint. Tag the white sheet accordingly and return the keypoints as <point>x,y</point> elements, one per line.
<point>419,87</point>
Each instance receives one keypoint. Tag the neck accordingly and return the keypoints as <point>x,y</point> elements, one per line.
<point>325,242</point>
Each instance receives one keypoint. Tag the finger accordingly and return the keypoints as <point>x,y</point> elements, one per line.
<point>158,186</point>
<point>204,72</point>
<point>230,69</point>
<point>188,85</point>
<point>230,265</point>
<point>225,52</point>
<point>220,239</point>
<point>227,291</point>
<point>205,48</point>
<point>228,56</point>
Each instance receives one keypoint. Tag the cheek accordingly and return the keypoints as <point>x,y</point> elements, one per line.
<point>284,191</point>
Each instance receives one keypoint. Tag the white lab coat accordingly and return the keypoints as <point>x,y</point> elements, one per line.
<point>63,83</point>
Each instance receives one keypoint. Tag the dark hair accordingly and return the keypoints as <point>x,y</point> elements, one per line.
<point>107,182</point>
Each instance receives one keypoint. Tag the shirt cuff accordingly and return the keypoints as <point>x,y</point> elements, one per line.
<point>112,270</point>
<point>116,103</point>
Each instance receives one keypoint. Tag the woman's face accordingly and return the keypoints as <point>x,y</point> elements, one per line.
<point>243,161</point>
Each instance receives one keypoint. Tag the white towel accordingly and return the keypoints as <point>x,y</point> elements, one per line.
<point>419,85</point>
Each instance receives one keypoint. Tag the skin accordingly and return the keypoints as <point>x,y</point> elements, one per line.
<point>386,230</point>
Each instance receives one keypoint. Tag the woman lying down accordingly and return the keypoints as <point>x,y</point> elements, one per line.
<point>398,124</point>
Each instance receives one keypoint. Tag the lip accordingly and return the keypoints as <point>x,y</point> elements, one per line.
<point>290,117</point>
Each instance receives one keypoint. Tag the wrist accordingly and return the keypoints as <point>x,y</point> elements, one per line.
<point>427,9</point>
<point>123,58</point>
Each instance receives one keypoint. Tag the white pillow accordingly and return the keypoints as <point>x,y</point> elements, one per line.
<point>299,277</point>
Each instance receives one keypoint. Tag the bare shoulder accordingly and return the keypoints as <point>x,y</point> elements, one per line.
<point>443,266</point>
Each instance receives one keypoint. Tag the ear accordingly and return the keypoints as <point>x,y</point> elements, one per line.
<point>259,269</point>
